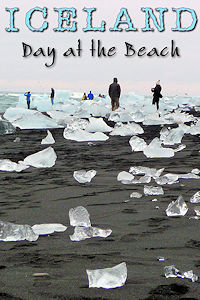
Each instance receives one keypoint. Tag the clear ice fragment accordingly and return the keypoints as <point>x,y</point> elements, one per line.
<point>79,216</point>
<point>42,229</point>
<point>48,139</point>
<point>108,278</point>
<point>83,176</point>
<point>125,176</point>
<point>42,159</point>
<point>82,233</point>
<point>135,195</point>
<point>172,272</point>
<point>195,198</point>
<point>137,144</point>
<point>177,208</point>
<point>153,190</point>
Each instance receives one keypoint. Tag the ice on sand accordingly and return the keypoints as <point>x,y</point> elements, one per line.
<point>135,195</point>
<point>142,179</point>
<point>137,144</point>
<point>79,216</point>
<point>10,166</point>
<point>48,139</point>
<point>97,125</point>
<point>127,129</point>
<point>172,136</point>
<point>42,159</point>
<point>153,190</point>
<point>177,208</point>
<point>10,232</point>
<point>136,170</point>
<point>6,127</point>
<point>197,210</point>
<point>125,176</point>
<point>108,278</point>
<point>83,176</point>
<point>172,272</point>
<point>84,136</point>
<point>42,229</point>
<point>195,198</point>
<point>16,140</point>
<point>82,233</point>
<point>154,149</point>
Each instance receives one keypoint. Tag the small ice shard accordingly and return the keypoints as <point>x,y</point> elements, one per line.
<point>177,208</point>
<point>10,232</point>
<point>40,274</point>
<point>8,165</point>
<point>137,144</point>
<point>79,216</point>
<point>153,190</point>
<point>195,171</point>
<point>124,176</point>
<point>83,176</point>
<point>180,148</point>
<point>197,210</point>
<point>82,233</point>
<point>42,159</point>
<point>108,278</point>
<point>172,272</point>
<point>154,200</point>
<point>16,140</point>
<point>97,125</point>
<point>84,136</point>
<point>91,144</point>
<point>41,229</point>
<point>143,179</point>
<point>195,198</point>
<point>48,139</point>
<point>154,150</point>
<point>135,195</point>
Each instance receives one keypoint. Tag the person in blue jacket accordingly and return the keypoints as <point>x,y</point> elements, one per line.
<point>90,96</point>
<point>28,98</point>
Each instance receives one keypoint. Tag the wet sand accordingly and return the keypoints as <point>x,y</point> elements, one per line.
<point>141,232</point>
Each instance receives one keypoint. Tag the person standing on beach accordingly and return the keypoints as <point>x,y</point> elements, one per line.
<point>90,96</point>
<point>84,97</point>
<point>52,95</point>
<point>114,93</point>
<point>156,94</point>
<point>28,99</point>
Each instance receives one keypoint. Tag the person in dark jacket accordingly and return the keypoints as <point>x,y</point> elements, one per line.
<point>156,94</point>
<point>52,95</point>
<point>114,93</point>
<point>28,99</point>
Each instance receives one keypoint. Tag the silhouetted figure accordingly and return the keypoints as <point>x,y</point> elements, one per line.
<point>156,94</point>
<point>52,96</point>
<point>114,93</point>
<point>90,96</point>
<point>28,99</point>
<point>84,97</point>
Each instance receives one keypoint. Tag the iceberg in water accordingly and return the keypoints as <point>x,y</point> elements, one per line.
<point>177,208</point>
<point>84,136</point>
<point>82,233</point>
<point>137,144</point>
<point>48,139</point>
<point>97,125</point>
<point>42,229</point>
<point>42,159</point>
<point>83,176</point>
<point>154,149</point>
<point>6,127</point>
<point>8,165</point>
<point>10,232</point>
<point>153,190</point>
<point>79,216</point>
<point>127,129</point>
<point>108,278</point>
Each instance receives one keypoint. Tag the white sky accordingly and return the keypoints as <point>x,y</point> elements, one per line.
<point>177,75</point>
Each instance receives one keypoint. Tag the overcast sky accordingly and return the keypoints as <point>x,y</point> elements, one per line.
<point>178,75</point>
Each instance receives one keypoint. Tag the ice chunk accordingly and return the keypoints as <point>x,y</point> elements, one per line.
<point>153,190</point>
<point>10,232</point>
<point>42,159</point>
<point>16,140</point>
<point>172,272</point>
<point>180,148</point>
<point>125,176</point>
<point>172,136</point>
<point>48,139</point>
<point>77,124</point>
<point>154,149</point>
<point>195,198</point>
<point>84,136</point>
<point>147,171</point>
<point>6,127</point>
<point>8,165</point>
<point>195,171</point>
<point>164,180</point>
<point>137,144</point>
<point>188,176</point>
<point>120,116</point>
<point>135,195</point>
<point>177,208</point>
<point>42,229</point>
<point>82,233</point>
<point>197,210</point>
<point>143,179</point>
<point>79,216</point>
<point>108,278</point>
<point>97,125</point>
<point>127,129</point>
<point>83,176</point>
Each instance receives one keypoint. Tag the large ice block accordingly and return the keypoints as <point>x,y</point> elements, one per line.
<point>97,125</point>
<point>10,232</point>
<point>42,159</point>
<point>177,208</point>
<point>108,278</point>
<point>79,216</point>
<point>83,176</point>
<point>82,233</point>
<point>155,150</point>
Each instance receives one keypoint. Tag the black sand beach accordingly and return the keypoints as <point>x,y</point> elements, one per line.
<point>141,232</point>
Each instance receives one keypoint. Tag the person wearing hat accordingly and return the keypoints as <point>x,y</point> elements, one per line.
<point>156,94</point>
<point>114,93</point>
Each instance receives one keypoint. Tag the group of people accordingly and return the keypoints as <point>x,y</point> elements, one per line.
<point>114,92</point>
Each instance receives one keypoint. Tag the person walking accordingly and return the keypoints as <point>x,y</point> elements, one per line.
<point>156,94</point>
<point>28,99</point>
<point>52,96</point>
<point>114,93</point>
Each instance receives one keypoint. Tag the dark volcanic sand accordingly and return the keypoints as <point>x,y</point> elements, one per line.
<point>141,232</point>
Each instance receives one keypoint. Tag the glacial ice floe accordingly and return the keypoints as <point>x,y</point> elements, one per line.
<point>82,233</point>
